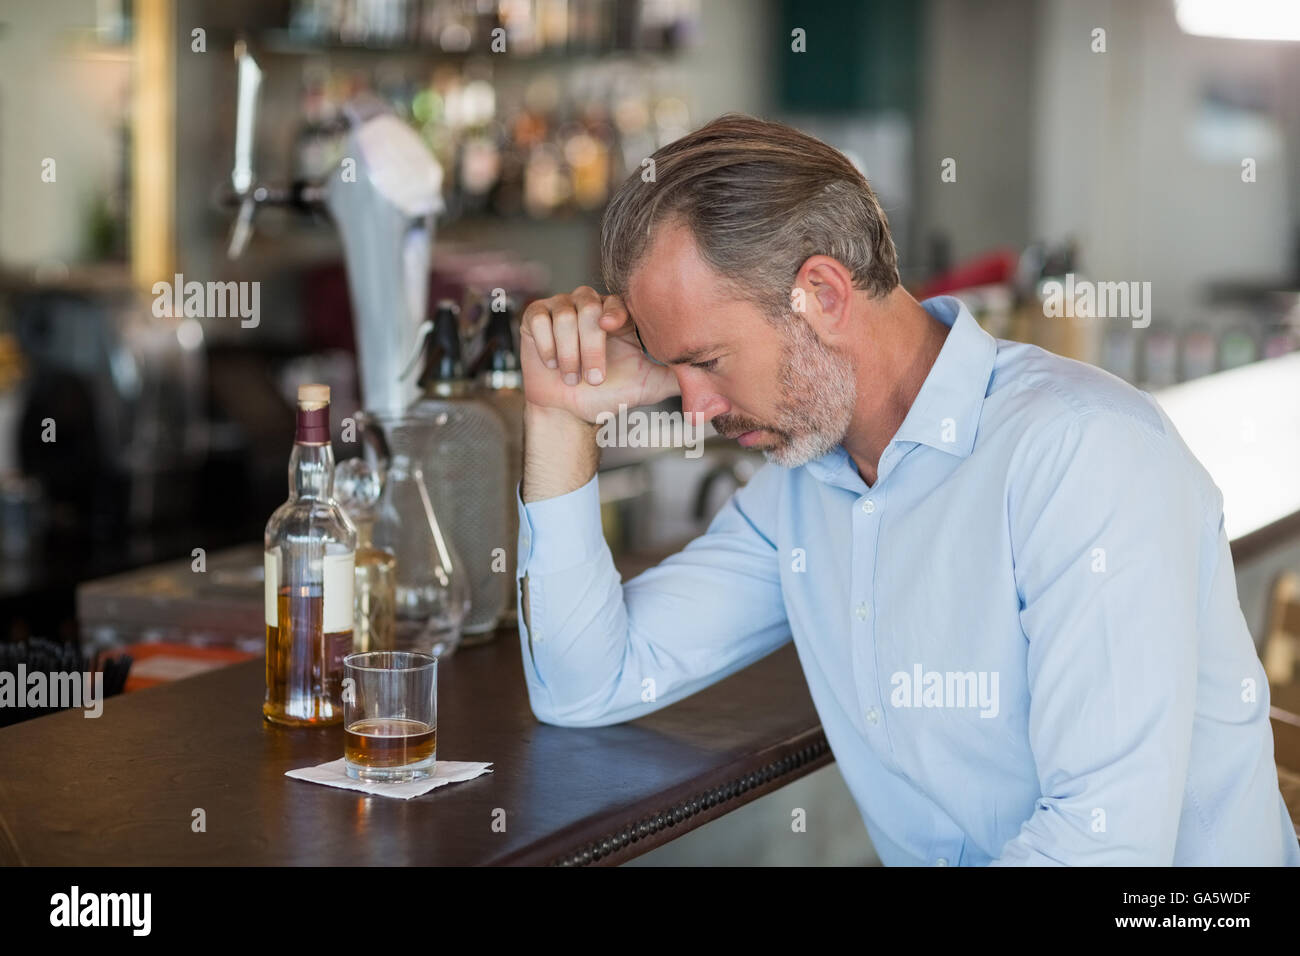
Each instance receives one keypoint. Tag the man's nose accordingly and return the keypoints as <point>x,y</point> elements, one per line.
<point>698,398</point>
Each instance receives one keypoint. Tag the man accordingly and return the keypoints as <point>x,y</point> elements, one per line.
<point>1005,575</point>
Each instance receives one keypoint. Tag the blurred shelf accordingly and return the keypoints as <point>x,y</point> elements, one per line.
<point>291,251</point>
<point>474,222</point>
<point>98,278</point>
<point>305,247</point>
<point>1280,293</point>
<point>288,43</point>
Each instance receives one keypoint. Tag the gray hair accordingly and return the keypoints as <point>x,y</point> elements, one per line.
<point>759,198</point>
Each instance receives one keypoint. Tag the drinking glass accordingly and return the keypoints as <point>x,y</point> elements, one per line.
<point>390,715</point>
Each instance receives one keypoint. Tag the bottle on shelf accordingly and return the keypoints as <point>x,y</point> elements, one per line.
<point>1237,346</point>
<point>1119,352</point>
<point>1159,357</point>
<point>1197,353</point>
<point>1279,339</point>
<point>310,547</point>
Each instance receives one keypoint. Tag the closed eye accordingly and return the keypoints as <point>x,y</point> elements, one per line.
<point>707,366</point>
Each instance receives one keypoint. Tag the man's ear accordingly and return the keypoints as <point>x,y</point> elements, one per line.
<point>824,289</point>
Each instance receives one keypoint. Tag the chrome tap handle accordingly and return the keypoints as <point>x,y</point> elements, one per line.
<point>422,333</point>
<point>250,82</point>
<point>242,230</point>
<point>241,177</point>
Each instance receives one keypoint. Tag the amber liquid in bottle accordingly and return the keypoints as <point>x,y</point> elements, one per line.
<point>389,742</point>
<point>309,558</point>
<point>304,664</point>
<point>375,600</point>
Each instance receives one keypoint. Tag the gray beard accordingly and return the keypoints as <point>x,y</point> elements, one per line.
<point>818,391</point>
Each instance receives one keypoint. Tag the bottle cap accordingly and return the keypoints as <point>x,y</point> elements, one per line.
<point>442,359</point>
<point>313,396</point>
<point>313,415</point>
<point>498,364</point>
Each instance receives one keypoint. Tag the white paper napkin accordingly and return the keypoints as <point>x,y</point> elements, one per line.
<point>333,774</point>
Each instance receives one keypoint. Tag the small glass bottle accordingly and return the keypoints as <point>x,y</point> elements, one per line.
<point>375,599</point>
<point>357,487</point>
<point>310,548</point>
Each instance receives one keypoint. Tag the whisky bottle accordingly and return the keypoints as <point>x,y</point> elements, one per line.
<point>310,547</point>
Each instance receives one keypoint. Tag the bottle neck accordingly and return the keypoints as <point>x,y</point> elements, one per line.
<point>311,471</point>
<point>365,532</point>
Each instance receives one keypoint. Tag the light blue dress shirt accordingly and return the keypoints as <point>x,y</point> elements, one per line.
<point>1024,640</point>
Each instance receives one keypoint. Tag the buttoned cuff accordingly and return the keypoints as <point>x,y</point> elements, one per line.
<point>567,527</point>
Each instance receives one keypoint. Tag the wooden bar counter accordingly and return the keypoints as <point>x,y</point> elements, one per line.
<point>121,789</point>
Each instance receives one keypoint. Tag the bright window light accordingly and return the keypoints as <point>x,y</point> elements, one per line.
<point>1240,19</point>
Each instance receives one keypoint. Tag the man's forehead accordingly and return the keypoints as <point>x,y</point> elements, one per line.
<point>677,301</point>
<point>672,276</point>
<point>677,333</point>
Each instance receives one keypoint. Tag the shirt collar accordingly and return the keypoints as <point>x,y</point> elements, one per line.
<point>946,411</point>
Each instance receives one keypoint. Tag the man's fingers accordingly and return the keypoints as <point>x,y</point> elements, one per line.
<point>537,321</point>
<point>591,340</point>
<point>614,316</point>
<point>570,332</point>
<point>585,295</point>
<point>564,323</point>
<point>615,320</point>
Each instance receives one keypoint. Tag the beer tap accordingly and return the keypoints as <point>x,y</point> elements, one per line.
<point>241,178</point>
<point>384,196</point>
<point>246,193</point>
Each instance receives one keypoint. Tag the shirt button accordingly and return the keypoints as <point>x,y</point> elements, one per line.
<point>861,611</point>
<point>868,506</point>
<point>941,862</point>
<point>873,716</point>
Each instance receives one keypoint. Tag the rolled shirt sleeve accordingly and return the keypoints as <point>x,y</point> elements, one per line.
<point>601,652</point>
<point>1111,535</point>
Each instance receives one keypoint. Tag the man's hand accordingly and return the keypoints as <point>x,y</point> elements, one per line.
<point>580,354</point>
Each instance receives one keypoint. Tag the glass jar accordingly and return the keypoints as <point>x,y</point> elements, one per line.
<point>431,595</point>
